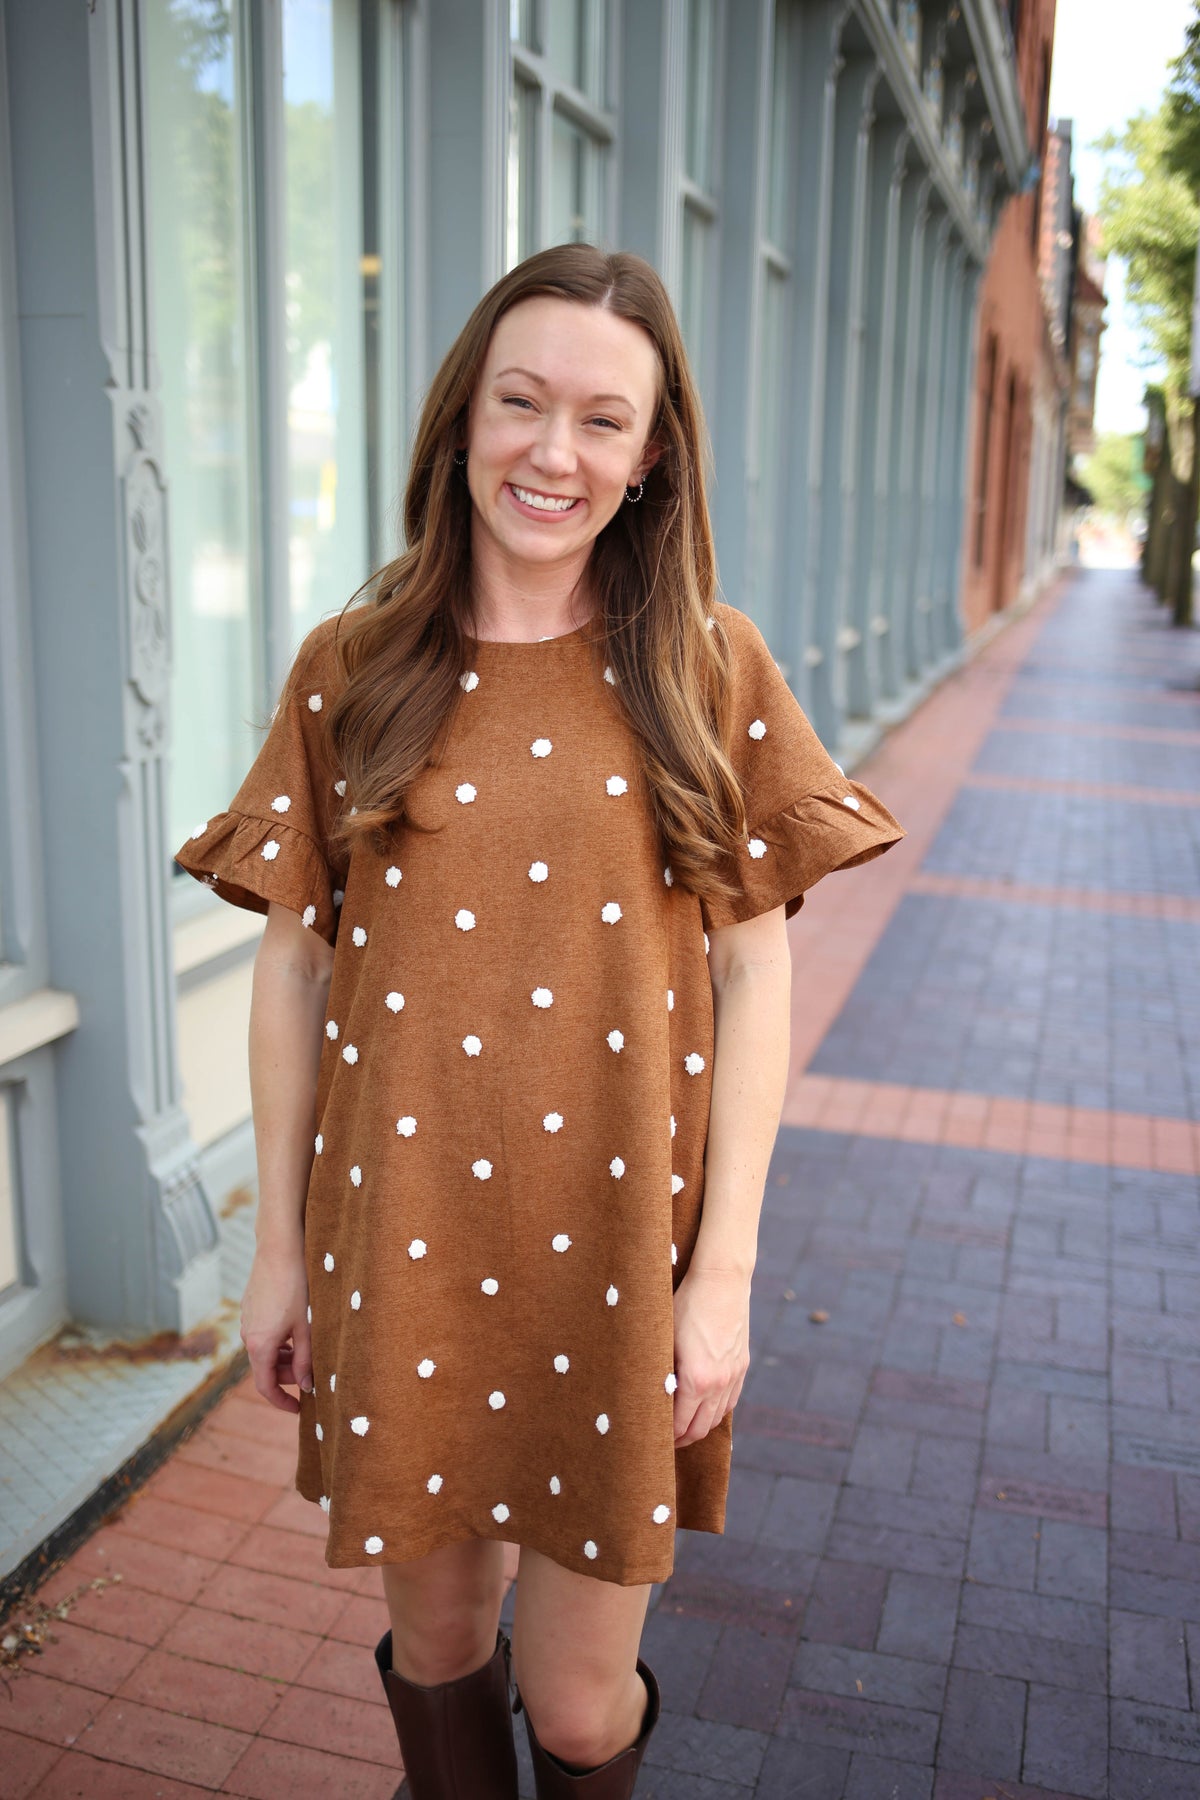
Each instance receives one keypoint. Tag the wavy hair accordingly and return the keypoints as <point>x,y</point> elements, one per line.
<point>652,574</point>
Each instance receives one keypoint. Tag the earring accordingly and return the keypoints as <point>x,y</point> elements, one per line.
<point>460,459</point>
<point>631,496</point>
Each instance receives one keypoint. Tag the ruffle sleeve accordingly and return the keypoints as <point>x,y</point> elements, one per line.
<point>273,842</point>
<point>806,817</point>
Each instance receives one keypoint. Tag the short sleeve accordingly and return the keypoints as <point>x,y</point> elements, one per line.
<point>805,816</point>
<point>272,844</point>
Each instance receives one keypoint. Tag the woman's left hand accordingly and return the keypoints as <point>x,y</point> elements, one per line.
<point>712,1349</point>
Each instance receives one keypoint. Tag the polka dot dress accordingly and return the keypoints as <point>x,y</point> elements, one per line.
<point>513,1099</point>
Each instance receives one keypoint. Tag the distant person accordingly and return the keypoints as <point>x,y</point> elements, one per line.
<point>496,1062</point>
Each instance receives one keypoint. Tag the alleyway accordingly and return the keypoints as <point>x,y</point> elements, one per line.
<point>962,1555</point>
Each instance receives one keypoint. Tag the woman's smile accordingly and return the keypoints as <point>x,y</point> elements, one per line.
<point>535,500</point>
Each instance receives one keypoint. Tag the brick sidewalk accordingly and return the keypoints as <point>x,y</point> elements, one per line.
<point>962,1554</point>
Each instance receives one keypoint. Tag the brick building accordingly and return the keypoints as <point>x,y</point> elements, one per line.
<point>1015,466</point>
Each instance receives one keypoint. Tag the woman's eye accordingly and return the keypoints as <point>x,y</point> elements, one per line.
<point>516,400</point>
<point>611,423</point>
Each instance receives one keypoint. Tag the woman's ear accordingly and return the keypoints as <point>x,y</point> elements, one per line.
<point>650,455</point>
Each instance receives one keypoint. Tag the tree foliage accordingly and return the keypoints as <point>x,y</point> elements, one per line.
<point>1113,474</point>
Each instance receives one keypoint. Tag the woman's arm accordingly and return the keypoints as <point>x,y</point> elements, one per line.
<point>292,970</point>
<point>750,970</point>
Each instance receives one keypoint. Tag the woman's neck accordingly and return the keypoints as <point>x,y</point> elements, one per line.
<point>512,604</point>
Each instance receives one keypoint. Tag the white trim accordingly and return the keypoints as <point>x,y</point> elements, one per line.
<point>35,1021</point>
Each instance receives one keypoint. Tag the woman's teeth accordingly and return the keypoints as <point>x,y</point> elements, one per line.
<point>543,502</point>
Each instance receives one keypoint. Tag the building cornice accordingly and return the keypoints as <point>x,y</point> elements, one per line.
<point>997,72</point>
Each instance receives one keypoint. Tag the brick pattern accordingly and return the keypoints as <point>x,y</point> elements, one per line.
<point>962,1549</point>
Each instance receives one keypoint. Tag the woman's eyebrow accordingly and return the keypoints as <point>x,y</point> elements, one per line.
<point>530,375</point>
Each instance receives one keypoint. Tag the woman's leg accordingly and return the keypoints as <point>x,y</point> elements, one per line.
<point>445,1610</point>
<point>575,1648</point>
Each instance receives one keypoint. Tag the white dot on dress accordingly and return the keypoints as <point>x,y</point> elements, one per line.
<point>270,850</point>
<point>489,1285</point>
<point>500,1512</point>
<point>333,1384</point>
<point>839,768</point>
<point>542,997</point>
<point>358,937</point>
<point>553,1121</point>
<point>339,788</point>
<point>464,793</point>
<point>616,1168</point>
<point>373,1546</point>
<point>360,1426</point>
<point>661,1514</point>
<point>673,1127</point>
<point>323,1503</point>
<point>670,999</point>
<point>541,746</point>
<point>309,916</point>
<point>496,1400</point>
<point>406,1126</point>
<point>756,729</point>
<point>355,1300</point>
<point>319,1143</point>
<point>590,1550</point>
<point>612,1295</point>
<point>693,1064</point>
<point>434,1484</point>
<point>616,1040</point>
<point>674,1255</point>
<point>468,681</point>
<point>394,1001</point>
<point>609,676</point>
<point>555,1485</point>
<point>668,878</point>
<point>331,1029</point>
<point>471,1044</point>
<point>757,849</point>
<point>847,800</point>
<point>350,1053</point>
<point>538,871</point>
<point>672,1382</point>
<point>481,1168</point>
<point>280,803</point>
<point>417,1248</point>
<point>602,1423</point>
<point>200,831</point>
<point>314,703</point>
<point>392,876</point>
<point>562,1363</point>
<point>309,1314</point>
<point>560,1241</point>
<point>356,1176</point>
<point>338,896</point>
<point>677,1184</point>
<point>320,1433</point>
<point>329,1264</point>
<point>425,1367</point>
<point>617,784</point>
<point>610,912</point>
<point>464,919</point>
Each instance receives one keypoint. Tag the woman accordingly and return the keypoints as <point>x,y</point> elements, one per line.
<point>495,1058</point>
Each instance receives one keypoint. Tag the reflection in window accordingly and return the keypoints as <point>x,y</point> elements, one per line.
<point>198,275</point>
<point>520,234</point>
<point>699,202</point>
<point>328,549</point>
<point>576,185</point>
<point>575,33</point>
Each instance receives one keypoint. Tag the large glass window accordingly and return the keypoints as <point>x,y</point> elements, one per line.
<point>328,552</point>
<point>202,330</point>
<point>283,474</point>
<point>774,374</point>
<point>561,125</point>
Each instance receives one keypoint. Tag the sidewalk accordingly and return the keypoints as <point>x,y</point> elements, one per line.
<point>962,1553</point>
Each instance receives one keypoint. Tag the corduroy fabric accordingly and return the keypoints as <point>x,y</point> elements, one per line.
<point>513,1100</point>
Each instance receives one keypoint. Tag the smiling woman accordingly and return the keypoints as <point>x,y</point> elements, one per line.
<point>528,825</point>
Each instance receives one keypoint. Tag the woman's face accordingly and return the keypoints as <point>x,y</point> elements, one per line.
<point>558,426</point>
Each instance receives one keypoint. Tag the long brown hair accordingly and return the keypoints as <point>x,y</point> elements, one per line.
<point>652,572</point>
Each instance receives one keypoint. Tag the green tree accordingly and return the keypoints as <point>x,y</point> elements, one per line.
<point>1113,474</point>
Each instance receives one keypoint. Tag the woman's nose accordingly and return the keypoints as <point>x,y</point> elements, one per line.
<point>553,451</point>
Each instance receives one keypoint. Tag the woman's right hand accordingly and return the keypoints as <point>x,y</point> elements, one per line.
<point>275,1328</point>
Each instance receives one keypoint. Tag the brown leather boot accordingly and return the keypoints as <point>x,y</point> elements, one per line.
<point>613,1780</point>
<point>456,1740</point>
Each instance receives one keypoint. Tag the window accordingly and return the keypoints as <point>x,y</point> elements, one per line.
<point>697,274</point>
<point>279,376</point>
<point>987,409</point>
<point>561,127</point>
<point>10,1251</point>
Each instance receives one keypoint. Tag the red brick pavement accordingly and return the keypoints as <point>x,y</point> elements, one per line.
<point>208,1648</point>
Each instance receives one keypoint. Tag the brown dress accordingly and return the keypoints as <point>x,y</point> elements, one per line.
<point>513,1101</point>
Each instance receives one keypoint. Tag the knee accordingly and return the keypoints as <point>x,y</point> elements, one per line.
<point>430,1650</point>
<point>576,1725</point>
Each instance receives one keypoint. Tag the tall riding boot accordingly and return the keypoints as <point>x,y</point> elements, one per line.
<point>613,1780</point>
<point>456,1739</point>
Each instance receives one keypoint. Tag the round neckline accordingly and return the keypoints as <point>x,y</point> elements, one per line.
<point>563,637</point>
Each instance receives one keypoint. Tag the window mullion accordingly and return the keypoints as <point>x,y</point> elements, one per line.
<point>268,199</point>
